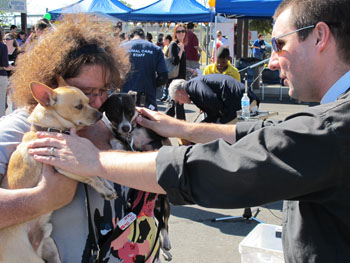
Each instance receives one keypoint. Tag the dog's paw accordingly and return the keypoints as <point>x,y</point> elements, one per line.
<point>110,195</point>
<point>167,255</point>
<point>165,240</point>
<point>103,187</point>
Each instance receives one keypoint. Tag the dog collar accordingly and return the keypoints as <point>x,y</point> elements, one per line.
<point>48,129</point>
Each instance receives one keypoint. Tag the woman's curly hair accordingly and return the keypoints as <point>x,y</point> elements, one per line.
<point>77,40</point>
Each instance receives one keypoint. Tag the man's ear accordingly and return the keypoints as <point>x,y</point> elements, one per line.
<point>323,34</point>
<point>43,94</point>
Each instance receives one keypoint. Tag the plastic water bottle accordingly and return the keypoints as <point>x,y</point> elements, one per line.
<point>245,102</point>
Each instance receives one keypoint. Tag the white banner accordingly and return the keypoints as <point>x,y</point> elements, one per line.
<point>13,6</point>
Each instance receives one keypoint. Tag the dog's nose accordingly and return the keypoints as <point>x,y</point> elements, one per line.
<point>126,128</point>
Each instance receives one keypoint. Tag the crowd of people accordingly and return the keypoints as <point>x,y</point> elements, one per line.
<point>303,160</point>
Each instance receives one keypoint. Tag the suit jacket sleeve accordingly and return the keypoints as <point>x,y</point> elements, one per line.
<point>269,162</point>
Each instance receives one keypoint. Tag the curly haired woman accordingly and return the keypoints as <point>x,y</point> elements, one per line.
<point>85,52</point>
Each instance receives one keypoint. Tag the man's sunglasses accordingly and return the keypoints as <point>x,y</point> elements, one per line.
<point>180,31</point>
<point>277,47</point>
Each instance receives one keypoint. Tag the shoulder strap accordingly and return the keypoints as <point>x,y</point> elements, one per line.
<point>95,249</point>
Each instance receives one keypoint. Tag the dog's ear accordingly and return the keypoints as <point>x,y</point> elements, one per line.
<point>61,82</point>
<point>43,94</point>
<point>133,94</point>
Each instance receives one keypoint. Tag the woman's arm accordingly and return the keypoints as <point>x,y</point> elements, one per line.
<point>53,192</point>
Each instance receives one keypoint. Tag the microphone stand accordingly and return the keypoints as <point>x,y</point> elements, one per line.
<point>247,213</point>
<point>254,66</point>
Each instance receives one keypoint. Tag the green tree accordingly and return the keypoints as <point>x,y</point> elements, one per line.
<point>263,26</point>
<point>125,3</point>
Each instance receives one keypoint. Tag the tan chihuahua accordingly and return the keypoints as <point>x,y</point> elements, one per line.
<point>57,110</point>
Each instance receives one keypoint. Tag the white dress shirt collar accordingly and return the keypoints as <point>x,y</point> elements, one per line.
<point>338,88</point>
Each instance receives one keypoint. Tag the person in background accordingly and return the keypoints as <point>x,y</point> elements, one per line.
<point>148,69</point>
<point>149,37</point>
<point>13,30</point>
<point>167,40</point>
<point>303,160</point>
<point>12,49</point>
<point>165,94</point>
<point>177,49</point>
<point>21,39</point>
<point>4,67</point>
<point>259,47</point>
<point>41,27</point>
<point>223,65</point>
<point>192,50</point>
<point>13,52</point>
<point>220,42</point>
<point>122,37</point>
<point>222,39</point>
<point>160,42</point>
<point>218,96</point>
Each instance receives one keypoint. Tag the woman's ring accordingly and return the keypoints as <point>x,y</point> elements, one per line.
<point>52,151</point>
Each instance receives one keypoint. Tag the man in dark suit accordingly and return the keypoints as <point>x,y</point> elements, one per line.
<point>218,96</point>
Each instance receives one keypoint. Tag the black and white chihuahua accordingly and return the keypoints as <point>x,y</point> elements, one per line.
<point>120,111</point>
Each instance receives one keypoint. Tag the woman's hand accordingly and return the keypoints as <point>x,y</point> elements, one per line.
<point>70,153</point>
<point>181,46</point>
<point>56,190</point>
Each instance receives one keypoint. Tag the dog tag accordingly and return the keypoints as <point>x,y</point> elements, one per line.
<point>126,221</point>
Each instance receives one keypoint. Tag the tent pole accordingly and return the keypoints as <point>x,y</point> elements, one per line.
<point>199,43</point>
<point>216,39</point>
<point>233,49</point>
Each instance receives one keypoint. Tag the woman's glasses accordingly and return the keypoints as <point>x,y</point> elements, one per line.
<point>277,47</point>
<point>8,38</point>
<point>180,31</point>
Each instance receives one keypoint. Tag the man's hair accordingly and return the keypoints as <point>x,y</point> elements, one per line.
<point>169,37</point>
<point>260,35</point>
<point>176,84</point>
<point>137,31</point>
<point>218,33</point>
<point>335,13</point>
<point>149,36</point>
<point>76,41</point>
<point>223,53</point>
<point>13,27</point>
<point>190,25</point>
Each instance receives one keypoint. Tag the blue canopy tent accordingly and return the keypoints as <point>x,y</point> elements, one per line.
<point>110,7</point>
<point>173,11</point>
<point>247,8</point>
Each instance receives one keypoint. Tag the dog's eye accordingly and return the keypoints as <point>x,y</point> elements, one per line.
<point>79,107</point>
